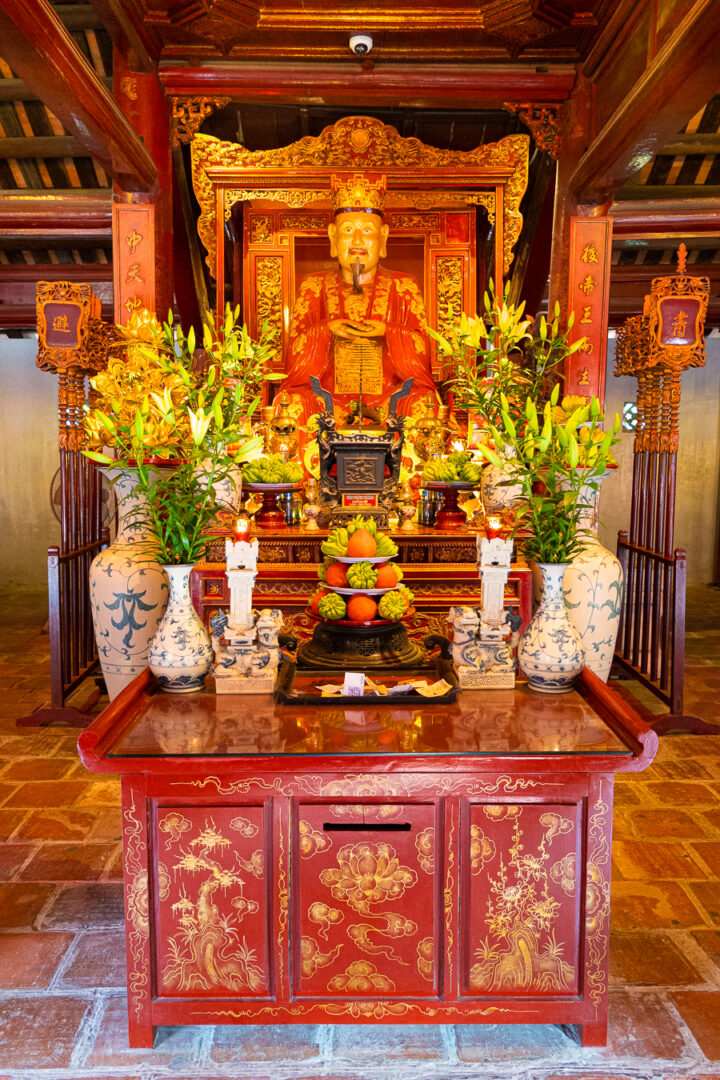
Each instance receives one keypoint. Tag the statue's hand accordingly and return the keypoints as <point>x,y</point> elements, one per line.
<point>350,330</point>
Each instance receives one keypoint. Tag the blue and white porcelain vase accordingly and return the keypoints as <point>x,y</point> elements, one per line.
<point>550,651</point>
<point>128,589</point>
<point>180,653</point>
<point>496,489</point>
<point>592,588</point>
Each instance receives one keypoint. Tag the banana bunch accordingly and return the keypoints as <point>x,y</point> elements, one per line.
<point>470,473</point>
<point>458,458</point>
<point>272,470</point>
<point>362,575</point>
<point>392,605</point>
<point>332,606</point>
<point>386,547</point>
<point>336,543</point>
<point>442,471</point>
<point>360,522</point>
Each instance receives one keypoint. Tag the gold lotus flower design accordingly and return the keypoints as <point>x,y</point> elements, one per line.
<point>425,844</point>
<point>312,840</point>
<point>368,874</point>
<point>362,977</point>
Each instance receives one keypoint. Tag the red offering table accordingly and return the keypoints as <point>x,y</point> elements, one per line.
<point>313,864</point>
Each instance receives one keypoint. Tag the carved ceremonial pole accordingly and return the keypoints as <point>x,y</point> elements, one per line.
<point>72,342</point>
<point>656,348</point>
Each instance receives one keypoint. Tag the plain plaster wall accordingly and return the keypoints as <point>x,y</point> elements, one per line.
<point>698,466</point>
<point>28,461</point>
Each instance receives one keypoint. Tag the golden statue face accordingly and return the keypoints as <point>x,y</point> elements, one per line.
<point>358,236</point>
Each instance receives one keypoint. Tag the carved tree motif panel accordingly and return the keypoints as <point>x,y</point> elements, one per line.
<point>367,901</point>
<point>522,863</point>
<point>212,916</point>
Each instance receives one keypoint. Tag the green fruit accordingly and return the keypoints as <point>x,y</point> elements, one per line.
<point>392,605</point>
<point>332,606</point>
<point>407,593</point>
<point>386,547</point>
<point>470,473</point>
<point>362,575</point>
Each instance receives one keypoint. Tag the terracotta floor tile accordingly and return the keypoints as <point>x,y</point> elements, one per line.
<point>701,1012</point>
<point>6,791</point>
<point>58,1017</point>
<point>626,796</point>
<point>37,769</point>
<point>104,792</point>
<point>641,1026</point>
<point>258,1042</point>
<point>641,959</point>
<point>68,862</point>
<point>28,961</point>
<point>709,852</point>
<point>79,907</point>
<point>708,895</point>
<point>623,823</point>
<point>643,905</point>
<point>98,959</point>
<point>21,902</point>
<point>62,824</point>
<point>709,940</point>
<point>676,793</point>
<point>9,822</point>
<point>657,824</point>
<point>684,769</point>
<point>713,817</point>
<point>12,857</point>
<point>656,861</point>
<point>108,825</point>
<point>176,1045</point>
<point>47,793</point>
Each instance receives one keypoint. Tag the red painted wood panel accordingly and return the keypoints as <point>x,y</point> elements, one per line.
<point>212,916</point>
<point>366,909</point>
<point>522,864</point>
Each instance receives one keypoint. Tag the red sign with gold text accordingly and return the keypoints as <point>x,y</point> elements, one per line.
<point>134,259</point>
<point>588,297</point>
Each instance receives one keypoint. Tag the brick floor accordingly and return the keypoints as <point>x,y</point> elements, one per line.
<point>62,976</point>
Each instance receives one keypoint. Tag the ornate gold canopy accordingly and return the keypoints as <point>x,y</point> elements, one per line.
<point>494,175</point>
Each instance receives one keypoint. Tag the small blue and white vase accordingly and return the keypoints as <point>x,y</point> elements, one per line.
<point>550,651</point>
<point>180,653</point>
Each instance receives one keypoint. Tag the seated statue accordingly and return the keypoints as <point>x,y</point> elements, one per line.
<point>361,329</point>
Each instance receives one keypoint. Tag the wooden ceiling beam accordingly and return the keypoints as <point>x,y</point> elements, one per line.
<point>18,89</point>
<point>673,219</point>
<point>40,50</point>
<point>411,85</point>
<point>129,34</point>
<point>675,84</point>
<point>41,146</point>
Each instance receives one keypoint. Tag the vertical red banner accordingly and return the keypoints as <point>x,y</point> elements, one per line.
<point>589,298</point>
<point>133,259</point>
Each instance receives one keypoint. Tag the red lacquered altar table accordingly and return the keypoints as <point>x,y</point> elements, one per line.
<point>424,864</point>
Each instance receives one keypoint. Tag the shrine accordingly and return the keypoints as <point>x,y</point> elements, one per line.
<point>374,716</point>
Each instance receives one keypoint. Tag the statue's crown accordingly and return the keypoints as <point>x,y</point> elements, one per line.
<point>359,192</point>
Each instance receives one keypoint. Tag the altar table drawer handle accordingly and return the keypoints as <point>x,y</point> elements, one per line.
<point>334,826</point>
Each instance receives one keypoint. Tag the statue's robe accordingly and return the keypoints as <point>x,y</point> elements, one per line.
<point>392,298</point>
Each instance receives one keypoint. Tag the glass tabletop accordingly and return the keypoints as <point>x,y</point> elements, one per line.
<point>488,722</point>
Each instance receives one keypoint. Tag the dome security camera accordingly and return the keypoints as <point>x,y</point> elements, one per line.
<point>360,44</point>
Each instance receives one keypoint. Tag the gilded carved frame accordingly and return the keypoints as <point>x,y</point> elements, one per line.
<point>494,176</point>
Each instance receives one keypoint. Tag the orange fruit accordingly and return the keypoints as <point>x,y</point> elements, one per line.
<point>362,544</point>
<point>316,598</point>
<point>387,577</point>
<point>361,608</point>
<point>336,575</point>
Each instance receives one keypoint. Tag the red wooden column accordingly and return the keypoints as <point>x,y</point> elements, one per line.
<point>144,103</point>
<point>588,296</point>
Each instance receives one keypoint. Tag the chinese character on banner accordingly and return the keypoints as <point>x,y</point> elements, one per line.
<point>134,258</point>
<point>588,296</point>
<point>676,307</point>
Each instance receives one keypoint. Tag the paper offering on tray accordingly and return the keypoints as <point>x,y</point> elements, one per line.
<point>436,689</point>
<point>358,684</point>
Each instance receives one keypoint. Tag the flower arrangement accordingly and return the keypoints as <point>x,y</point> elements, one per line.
<point>165,399</point>
<point>558,465</point>
<point>500,359</point>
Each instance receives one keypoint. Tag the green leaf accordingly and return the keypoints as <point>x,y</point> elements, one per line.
<point>102,459</point>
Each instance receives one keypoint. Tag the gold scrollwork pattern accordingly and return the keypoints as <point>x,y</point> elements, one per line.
<point>316,222</point>
<point>450,297</point>
<point>261,228</point>
<point>597,902</point>
<point>188,114</point>
<point>358,142</point>
<point>544,121</point>
<point>269,309</point>
<point>448,898</point>
<point>137,907</point>
<point>366,785</point>
<point>415,221</point>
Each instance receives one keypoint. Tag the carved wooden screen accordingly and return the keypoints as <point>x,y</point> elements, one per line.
<point>421,180</point>
<point>282,245</point>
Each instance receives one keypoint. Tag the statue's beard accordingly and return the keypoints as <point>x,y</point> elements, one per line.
<point>357,269</point>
